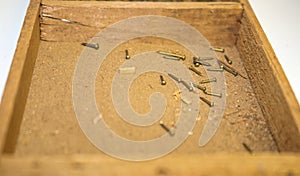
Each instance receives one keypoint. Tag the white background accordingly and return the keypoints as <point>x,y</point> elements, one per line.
<point>279,19</point>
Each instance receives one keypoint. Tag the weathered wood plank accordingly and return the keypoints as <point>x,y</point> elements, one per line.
<point>271,86</point>
<point>218,22</point>
<point>222,164</point>
<point>17,86</point>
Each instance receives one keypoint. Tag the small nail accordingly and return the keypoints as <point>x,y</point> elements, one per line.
<point>182,57</point>
<point>198,62</point>
<point>199,87</point>
<point>166,128</point>
<point>247,148</point>
<point>228,69</point>
<point>208,80</point>
<point>211,104</point>
<point>227,59</point>
<point>127,55</point>
<point>91,45</point>
<point>218,49</point>
<point>162,80</point>
<point>213,94</point>
<point>175,77</point>
<point>195,70</point>
<point>215,69</point>
<point>187,85</point>
<point>171,58</point>
<point>205,58</point>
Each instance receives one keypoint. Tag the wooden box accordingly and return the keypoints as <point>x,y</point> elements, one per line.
<point>39,133</point>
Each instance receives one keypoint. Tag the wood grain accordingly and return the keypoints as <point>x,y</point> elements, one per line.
<point>271,86</point>
<point>221,164</point>
<point>50,127</point>
<point>272,89</point>
<point>218,22</point>
<point>17,86</point>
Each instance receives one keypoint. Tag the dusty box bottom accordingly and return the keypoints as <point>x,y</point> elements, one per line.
<point>50,127</point>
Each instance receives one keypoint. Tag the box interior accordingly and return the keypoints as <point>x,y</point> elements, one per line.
<point>49,118</point>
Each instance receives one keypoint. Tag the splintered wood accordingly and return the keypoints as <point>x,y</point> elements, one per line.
<point>90,17</point>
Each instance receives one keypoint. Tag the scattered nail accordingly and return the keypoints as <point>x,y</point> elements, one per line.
<point>182,57</point>
<point>218,49</point>
<point>211,104</point>
<point>227,59</point>
<point>91,45</point>
<point>208,80</point>
<point>162,80</point>
<point>127,55</point>
<point>213,94</point>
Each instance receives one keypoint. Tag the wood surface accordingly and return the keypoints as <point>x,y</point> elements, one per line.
<point>218,22</point>
<point>270,84</point>
<point>49,118</point>
<point>191,165</point>
<point>36,156</point>
<point>18,82</point>
<point>162,0</point>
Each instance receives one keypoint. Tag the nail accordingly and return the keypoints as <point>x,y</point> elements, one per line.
<point>171,58</point>
<point>199,87</point>
<point>91,45</point>
<point>187,85</point>
<point>195,70</point>
<point>204,63</point>
<point>208,80</point>
<point>213,94</point>
<point>205,58</point>
<point>174,77</point>
<point>182,57</point>
<point>127,55</point>
<point>227,59</point>
<point>215,69</point>
<point>162,80</point>
<point>198,62</point>
<point>247,148</point>
<point>235,73</point>
<point>62,19</point>
<point>218,49</point>
<point>166,128</point>
<point>211,104</point>
<point>228,68</point>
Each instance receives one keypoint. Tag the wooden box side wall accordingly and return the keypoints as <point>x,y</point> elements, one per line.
<point>218,22</point>
<point>19,82</point>
<point>269,82</point>
<point>182,165</point>
<point>14,98</point>
<point>19,79</point>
